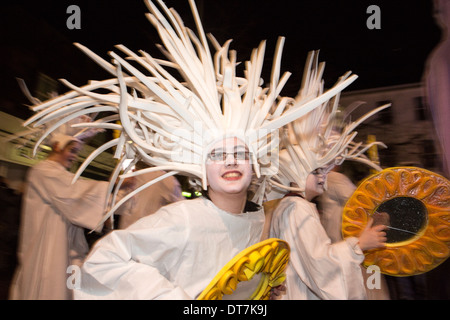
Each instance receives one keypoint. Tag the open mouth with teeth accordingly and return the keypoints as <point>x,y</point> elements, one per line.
<point>232,175</point>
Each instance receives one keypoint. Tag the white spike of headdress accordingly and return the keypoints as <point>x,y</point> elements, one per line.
<point>317,139</point>
<point>53,130</point>
<point>171,124</point>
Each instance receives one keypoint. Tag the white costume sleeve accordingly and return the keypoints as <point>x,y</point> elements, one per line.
<point>171,254</point>
<point>135,263</point>
<point>317,268</point>
<point>81,203</point>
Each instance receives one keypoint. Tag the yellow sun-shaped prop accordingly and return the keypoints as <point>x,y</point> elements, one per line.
<point>415,205</point>
<point>251,274</point>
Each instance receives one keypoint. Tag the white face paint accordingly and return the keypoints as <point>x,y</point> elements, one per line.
<point>316,182</point>
<point>228,167</point>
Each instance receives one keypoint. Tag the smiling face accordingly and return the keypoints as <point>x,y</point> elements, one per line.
<point>228,168</point>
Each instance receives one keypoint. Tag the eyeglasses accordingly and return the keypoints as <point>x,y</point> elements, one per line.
<point>239,155</point>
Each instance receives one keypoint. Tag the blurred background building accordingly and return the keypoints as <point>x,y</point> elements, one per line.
<point>406,127</point>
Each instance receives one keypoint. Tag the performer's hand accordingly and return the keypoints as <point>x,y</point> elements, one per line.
<point>277,292</point>
<point>372,236</point>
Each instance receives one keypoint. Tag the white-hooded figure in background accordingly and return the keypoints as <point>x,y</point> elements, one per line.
<point>55,213</point>
<point>318,268</point>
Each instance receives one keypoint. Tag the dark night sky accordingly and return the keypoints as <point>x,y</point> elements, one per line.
<point>35,38</point>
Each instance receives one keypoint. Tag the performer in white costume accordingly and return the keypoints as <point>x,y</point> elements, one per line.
<point>317,268</point>
<point>214,127</point>
<point>174,253</point>
<point>55,213</point>
<point>330,205</point>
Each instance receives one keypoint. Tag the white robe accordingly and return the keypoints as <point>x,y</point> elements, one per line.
<point>149,200</point>
<point>331,204</point>
<point>317,269</point>
<point>54,213</point>
<point>172,254</point>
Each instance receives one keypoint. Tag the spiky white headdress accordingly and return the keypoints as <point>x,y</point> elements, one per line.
<point>171,124</point>
<point>318,139</point>
<point>61,134</point>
